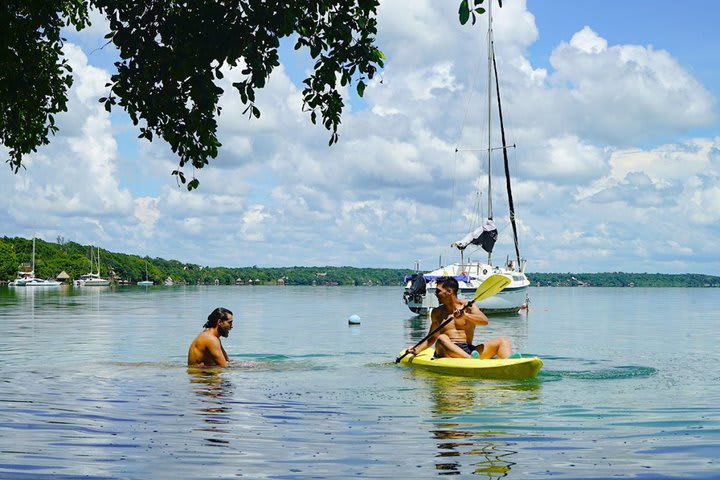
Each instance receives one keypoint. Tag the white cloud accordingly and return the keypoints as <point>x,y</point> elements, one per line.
<point>147,213</point>
<point>252,224</point>
<point>626,93</point>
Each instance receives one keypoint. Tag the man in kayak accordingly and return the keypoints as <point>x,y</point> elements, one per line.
<point>207,350</point>
<point>455,340</point>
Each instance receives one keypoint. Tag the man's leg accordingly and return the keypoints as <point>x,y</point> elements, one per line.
<point>499,346</point>
<point>444,347</point>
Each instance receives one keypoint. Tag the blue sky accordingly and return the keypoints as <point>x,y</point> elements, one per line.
<point>613,106</point>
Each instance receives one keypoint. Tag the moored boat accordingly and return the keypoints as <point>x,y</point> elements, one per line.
<point>420,297</point>
<point>26,277</point>
<point>22,278</point>
<point>93,279</point>
<point>146,282</point>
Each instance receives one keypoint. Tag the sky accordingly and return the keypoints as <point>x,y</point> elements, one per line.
<point>612,107</point>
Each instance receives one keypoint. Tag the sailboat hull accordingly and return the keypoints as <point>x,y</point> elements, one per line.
<point>94,282</point>
<point>510,300</point>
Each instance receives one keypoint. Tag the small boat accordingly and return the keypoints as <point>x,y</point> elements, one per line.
<point>26,278</point>
<point>92,279</point>
<point>419,291</point>
<point>504,369</point>
<point>22,278</point>
<point>146,282</point>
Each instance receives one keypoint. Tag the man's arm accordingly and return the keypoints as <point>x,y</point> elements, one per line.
<point>475,316</point>
<point>215,351</point>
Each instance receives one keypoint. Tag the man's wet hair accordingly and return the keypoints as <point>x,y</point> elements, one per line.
<point>216,315</point>
<point>448,282</point>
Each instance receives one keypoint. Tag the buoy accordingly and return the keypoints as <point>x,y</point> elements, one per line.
<point>354,320</point>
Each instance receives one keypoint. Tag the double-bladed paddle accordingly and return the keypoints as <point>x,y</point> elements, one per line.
<point>492,285</point>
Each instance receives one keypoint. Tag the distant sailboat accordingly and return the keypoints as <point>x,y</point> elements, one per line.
<point>27,278</point>
<point>146,282</point>
<point>93,279</point>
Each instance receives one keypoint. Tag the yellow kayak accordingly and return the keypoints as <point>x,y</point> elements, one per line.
<point>508,368</point>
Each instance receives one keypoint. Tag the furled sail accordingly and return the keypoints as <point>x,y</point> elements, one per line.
<point>484,236</point>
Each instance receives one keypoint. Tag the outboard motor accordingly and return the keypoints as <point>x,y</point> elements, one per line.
<point>417,288</point>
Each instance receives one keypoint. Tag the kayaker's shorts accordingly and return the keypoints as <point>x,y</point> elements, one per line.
<point>467,347</point>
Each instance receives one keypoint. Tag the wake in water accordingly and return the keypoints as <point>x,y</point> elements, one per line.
<point>600,373</point>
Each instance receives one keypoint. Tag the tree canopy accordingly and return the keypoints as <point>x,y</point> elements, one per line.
<point>31,55</point>
<point>172,53</point>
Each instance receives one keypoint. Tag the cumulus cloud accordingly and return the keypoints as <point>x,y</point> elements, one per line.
<point>625,93</point>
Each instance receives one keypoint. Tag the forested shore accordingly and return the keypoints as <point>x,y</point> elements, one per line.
<point>74,259</point>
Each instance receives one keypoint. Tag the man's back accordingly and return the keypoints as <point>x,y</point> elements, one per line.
<point>204,350</point>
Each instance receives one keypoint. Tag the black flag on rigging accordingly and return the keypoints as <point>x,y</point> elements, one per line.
<point>484,236</point>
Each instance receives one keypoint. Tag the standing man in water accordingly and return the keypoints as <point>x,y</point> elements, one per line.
<point>455,340</point>
<point>207,350</point>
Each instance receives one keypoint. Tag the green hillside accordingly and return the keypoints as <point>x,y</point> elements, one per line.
<point>74,259</point>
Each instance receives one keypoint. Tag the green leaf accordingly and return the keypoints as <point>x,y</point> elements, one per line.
<point>361,88</point>
<point>464,12</point>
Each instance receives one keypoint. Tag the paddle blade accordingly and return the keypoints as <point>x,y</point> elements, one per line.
<point>492,285</point>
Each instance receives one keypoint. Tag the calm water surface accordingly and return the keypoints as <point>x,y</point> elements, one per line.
<point>94,385</point>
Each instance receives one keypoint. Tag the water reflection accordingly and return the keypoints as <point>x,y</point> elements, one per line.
<point>416,327</point>
<point>464,445</point>
<point>214,391</point>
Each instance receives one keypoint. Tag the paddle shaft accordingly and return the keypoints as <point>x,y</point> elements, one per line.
<point>433,332</point>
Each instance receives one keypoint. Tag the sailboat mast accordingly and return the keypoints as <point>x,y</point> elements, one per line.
<point>489,120</point>
<point>33,257</point>
<point>511,204</point>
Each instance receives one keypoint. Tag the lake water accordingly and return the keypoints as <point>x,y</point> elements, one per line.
<point>94,385</point>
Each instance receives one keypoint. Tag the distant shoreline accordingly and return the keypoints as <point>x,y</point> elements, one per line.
<point>72,258</point>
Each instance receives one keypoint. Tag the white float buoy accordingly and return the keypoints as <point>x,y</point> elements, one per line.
<point>353,320</point>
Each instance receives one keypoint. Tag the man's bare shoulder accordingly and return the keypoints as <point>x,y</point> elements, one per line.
<point>439,313</point>
<point>205,338</point>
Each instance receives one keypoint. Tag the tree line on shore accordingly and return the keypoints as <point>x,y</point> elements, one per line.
<point>74,259</point>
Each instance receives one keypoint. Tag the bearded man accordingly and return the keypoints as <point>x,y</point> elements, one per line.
<point>207,350</point>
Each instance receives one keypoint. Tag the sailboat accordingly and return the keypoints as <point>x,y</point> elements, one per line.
<point>25,273</point>
<point>419,292</point>
<point>146,282</point>
<point>93,279</point>
<point>26,278</point>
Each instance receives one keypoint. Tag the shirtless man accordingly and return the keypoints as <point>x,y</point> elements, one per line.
<point>455,340</point>
<point>207,350</point>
